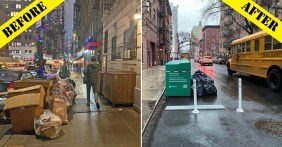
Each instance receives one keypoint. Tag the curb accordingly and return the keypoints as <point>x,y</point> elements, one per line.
<point>150,117</point>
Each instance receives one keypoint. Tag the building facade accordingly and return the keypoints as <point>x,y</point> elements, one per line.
<point>3,19</point>
<point>87,28</point>
<point>211,36</point>
<point>23,46</point>
<point>150,40</point>
<point>196,35</point>
<point>122,40</point>
<point>174,31</point>
<point>156,36</point>
<point>164,31</point>
<point>52,31</point>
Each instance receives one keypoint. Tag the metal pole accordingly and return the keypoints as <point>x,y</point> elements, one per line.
<point>240,95</point>
<point>195,97</point>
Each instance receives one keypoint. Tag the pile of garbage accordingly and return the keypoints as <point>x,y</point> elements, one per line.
<point>204,84</point>
<point>45,102</point>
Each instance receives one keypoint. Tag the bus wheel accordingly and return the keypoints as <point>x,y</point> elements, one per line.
<point>274,80</point>
<point>229,71</point>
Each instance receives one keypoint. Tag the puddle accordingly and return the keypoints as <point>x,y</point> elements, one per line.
<point>270,127</point>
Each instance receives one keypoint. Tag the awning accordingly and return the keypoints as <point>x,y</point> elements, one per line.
<point>92,43</point>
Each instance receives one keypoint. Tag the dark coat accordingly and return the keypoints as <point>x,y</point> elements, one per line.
<point>91,71</point>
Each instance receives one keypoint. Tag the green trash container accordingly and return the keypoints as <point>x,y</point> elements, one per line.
<point>178,78</point>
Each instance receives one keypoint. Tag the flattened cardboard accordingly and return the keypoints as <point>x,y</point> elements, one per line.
<point>47,84</point>
<point>32,89</point>
<point>25,105</point>
<point>27,83</point>
<point>31,99</point>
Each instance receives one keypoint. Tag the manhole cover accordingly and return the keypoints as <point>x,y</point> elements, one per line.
<point>270,127</point>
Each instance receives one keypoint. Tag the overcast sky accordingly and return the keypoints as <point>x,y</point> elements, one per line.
<point>189,14</point>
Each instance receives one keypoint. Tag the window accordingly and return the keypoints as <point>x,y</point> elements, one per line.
<point>130,42</point>
<point>276,44</point>
<point>256,44</point>
<point>243,46</point>
<point>18,6</point>
<point>6,5</point>
<point>248,49</point>
<point>25,51</point>
<point>267,42</point>
<point>239,49</point>
<point>106,42</point>
<point>25,36</point>
<point>114,49</point>
<point>30,51</point>
<point>14,13</point>
<point>19,37</point>
<point>17,51</point>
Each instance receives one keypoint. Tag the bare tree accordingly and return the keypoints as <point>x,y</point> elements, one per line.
<point>184,39</point>
<point>213,8</point>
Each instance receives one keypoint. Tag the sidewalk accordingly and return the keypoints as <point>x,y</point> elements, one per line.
<point>109,126</point>
<point>153,83</point>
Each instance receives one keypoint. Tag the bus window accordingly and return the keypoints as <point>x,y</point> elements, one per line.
<point>276,44</point>
<point>256,45</point>
<point>239,48</point>
<point>248,49</point>
<point>267,42</point>
<point>243,45</point>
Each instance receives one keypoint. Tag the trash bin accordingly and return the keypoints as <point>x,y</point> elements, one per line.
<point>178,75</point>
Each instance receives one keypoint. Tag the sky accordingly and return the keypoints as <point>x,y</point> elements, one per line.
<point>189,14</point>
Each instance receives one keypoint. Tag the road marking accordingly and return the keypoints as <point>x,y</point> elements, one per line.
<point>191,107</point>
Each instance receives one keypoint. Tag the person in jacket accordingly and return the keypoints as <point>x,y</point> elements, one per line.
<point>91,72</point>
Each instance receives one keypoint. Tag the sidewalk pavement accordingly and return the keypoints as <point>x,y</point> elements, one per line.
<point>153,83</point>
<point>109,126</point>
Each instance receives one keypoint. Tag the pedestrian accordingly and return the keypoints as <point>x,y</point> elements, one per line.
<point>91,79</point>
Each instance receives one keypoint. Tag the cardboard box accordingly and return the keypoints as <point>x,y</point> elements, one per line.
<point>24,105</point>
<point>47,85</point>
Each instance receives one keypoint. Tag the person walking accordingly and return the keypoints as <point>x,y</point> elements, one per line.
<point>91,72</point>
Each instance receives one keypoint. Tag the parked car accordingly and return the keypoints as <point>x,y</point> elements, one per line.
<point>196,60</point>
<point>32,69</point>
<point>7,77</point>
<point>199,59</point>
<point>221,60</point>
<point>206,60</point>
<point>215,59</point>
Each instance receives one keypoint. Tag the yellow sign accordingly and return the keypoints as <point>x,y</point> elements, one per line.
<point>258,15</point>
<point>26,18</point>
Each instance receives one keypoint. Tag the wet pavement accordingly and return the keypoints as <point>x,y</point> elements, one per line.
<point>109,126</point>
<point>220,127</point>
<point>153,84</point>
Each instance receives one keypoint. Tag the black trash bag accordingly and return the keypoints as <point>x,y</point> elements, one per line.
<point>209,89</point>
<point>205,85</point>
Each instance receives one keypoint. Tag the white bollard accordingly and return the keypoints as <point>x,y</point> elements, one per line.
<point>195,97</point>
<point>240,96</point>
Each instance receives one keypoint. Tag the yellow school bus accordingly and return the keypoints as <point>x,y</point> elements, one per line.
<point>260,55</point>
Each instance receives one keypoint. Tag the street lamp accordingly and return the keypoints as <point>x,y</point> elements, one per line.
<point>137,15</point>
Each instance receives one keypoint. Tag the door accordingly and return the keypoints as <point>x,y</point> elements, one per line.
<point>257,49</point>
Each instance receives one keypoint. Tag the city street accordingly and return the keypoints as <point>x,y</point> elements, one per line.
<point>254,127</point>
<point>109,126</point>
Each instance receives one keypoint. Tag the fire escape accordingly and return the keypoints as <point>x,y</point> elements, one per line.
<point>108,5</point>
<point>163,31</point>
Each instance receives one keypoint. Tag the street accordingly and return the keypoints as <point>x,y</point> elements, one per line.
<point>254,127</point>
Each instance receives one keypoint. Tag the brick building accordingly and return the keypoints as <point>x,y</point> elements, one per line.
<point>211,39</point>
<point>156,35</point>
